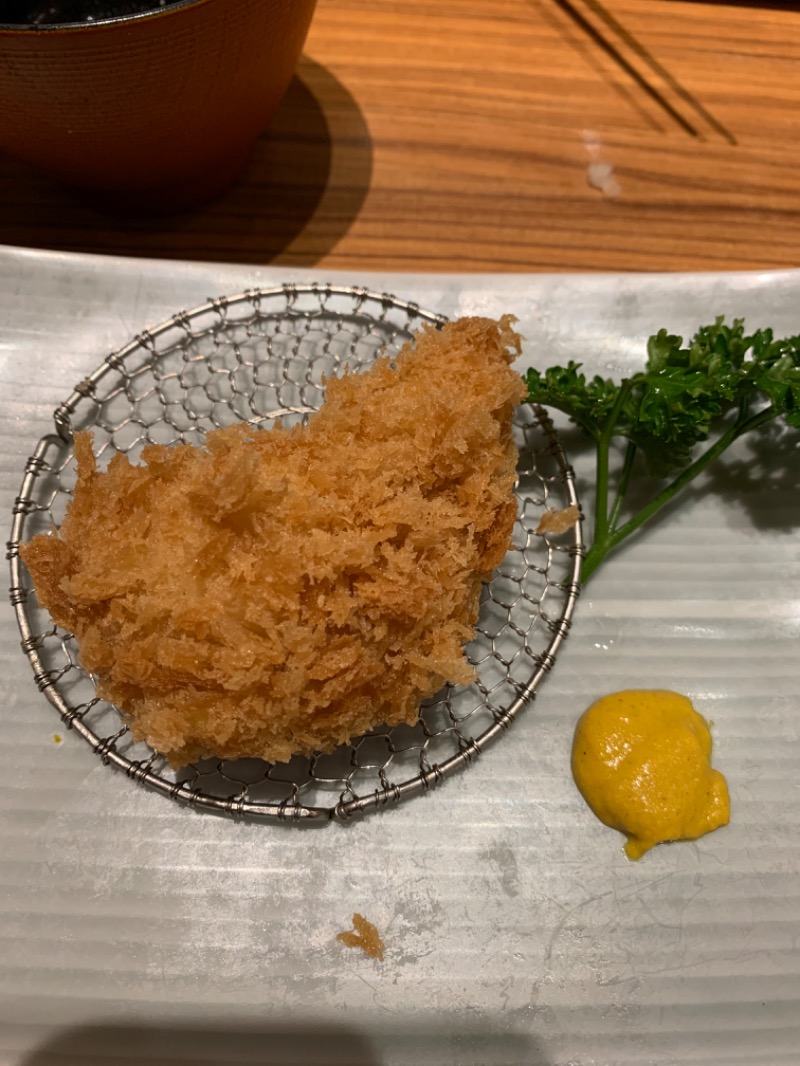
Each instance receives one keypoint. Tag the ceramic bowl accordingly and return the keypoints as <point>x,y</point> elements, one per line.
<point>157,110</point>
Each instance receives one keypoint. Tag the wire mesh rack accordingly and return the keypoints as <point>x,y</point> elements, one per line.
<point>264,355</point>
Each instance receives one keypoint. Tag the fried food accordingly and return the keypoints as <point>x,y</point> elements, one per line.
<point>364,935</point>
<point>277,592</point>
<point>560,521</point>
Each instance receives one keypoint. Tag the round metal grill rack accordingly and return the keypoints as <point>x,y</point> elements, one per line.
<point>262,356</point>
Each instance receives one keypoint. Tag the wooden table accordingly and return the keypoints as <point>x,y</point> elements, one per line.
<point>499,135</point>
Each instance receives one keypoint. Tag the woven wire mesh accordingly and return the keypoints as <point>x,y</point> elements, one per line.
<point>264,356</point>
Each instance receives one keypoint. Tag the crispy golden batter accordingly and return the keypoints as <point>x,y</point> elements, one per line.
<point>280,591</point>
<point>561,521</point>
<point>364,935</point>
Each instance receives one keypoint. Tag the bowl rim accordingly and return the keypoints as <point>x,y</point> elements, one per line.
<point>30,28</point>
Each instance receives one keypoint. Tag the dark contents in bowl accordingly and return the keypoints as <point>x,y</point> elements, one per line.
<point>59,12</point>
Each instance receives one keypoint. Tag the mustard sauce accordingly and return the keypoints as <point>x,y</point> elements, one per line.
<point>641,760</point>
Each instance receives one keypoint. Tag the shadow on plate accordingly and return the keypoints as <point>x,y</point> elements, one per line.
<point>300,193</point>
<point>760,476</point>
<point>757,479</point>
<point>288,1044</point>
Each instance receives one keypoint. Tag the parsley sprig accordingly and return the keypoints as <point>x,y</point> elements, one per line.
<point>675,417</point>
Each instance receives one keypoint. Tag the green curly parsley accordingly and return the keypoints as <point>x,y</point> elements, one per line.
<point>722,384</point>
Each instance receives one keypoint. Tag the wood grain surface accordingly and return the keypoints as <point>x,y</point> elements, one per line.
<point>506,135</point>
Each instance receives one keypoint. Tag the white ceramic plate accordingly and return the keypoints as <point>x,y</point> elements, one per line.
<point>515,929</point>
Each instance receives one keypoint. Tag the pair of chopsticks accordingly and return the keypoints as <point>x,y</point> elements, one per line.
<point>651,77</point>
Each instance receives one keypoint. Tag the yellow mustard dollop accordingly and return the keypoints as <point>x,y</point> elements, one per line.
<point>641,760</point>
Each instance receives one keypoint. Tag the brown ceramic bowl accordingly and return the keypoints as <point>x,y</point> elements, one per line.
<point>157,110</point>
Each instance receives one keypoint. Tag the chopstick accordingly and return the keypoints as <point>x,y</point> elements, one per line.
<point>684,110</point>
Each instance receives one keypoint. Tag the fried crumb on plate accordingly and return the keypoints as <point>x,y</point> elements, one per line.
<point>560,521</point>
<point>364,936</point>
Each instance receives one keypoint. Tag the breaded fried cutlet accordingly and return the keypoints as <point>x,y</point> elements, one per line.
<point>279,591</point>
